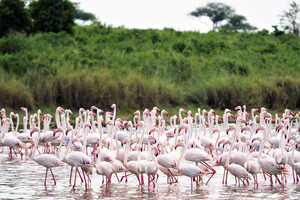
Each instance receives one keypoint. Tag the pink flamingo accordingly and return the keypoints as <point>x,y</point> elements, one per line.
<point>48,161</point>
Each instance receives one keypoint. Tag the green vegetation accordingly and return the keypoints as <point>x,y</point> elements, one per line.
<point>100,65</point>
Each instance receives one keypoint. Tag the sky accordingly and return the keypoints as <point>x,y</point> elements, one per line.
<point>159,14</point>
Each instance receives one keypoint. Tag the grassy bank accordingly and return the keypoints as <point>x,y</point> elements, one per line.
<point>100,65</point>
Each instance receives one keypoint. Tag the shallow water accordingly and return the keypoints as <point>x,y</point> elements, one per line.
<point>23,179</point>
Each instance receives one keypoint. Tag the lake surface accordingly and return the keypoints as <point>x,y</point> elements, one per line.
<point>23,179</point>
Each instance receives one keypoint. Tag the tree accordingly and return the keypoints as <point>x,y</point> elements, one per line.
<point>52,15</point>
<point>238,23</point>
<point>217,12</point>
<point>84,16</point>
<point>290,20</point>
<point>13,17</point>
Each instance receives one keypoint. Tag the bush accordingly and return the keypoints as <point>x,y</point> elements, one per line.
<point>13,43</point>
<point>14,94</point>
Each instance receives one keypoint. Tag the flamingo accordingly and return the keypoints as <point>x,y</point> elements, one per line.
<point>188,169</point>
<point>77,159</point>
<point>236,170</point>
<point>104,168</point>
<point>48,161</point>
<point>268,164</point>
<point>10,140</point>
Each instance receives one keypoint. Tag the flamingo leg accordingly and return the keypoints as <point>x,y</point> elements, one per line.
<point>45,181</point>
<point>243,181</point>
<point>80,175</point>
<point>117,177</point>
<point>70,180</point>
<point>293,172</point>
<point>125,176</point>
<point>279,180</point>
<point>142,179</point>
<point>213,171</point>
<point>75,178</point>
<point>223,179</point>
<point>226,177</point>
<point>10,153</point>
<point>85,183</point>
<point>53,176</point>
<point>89,180</point>
<point>138,178</point>
<point>264,175</point>
<point>271,180</point>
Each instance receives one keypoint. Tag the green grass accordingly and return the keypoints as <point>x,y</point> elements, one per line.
<point>100,65</point>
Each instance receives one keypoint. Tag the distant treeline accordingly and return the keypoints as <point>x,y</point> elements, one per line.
<point>100,65</point>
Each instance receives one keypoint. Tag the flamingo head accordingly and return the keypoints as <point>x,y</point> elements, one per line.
<point>88,126</point>
<point>185,120</point>
<point>156,108</point>
<point>110,114</point>
<point>61,111</point>
<point>244,129</point>
<point>297,145</point>
<point>113,106</point>
<point>92,114</point>
<point>227,110</point>
<point>152,140</point>
<point>284,134</point>
<point>228,129</point>
<point>178,145</point>
<point>238,108</point>
<point>182,110</point>
<point>152,130</point>
<point>169,134</point>
<point>108,123</point>
<point>182,127</point>
<point>57,130</point>
<point>220,142</point>
<point>244,121</point>
<point>138,125</point>
<point>33,130</point>
<point>122,125</point>
<point>258,129</point>
<point>165,112</point>
<point>67,131</point>
<point>69,111</point>
<point>124,141</point>
<point>225,143</point>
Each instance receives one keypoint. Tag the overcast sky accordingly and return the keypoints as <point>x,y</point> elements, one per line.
<point>159,14</point>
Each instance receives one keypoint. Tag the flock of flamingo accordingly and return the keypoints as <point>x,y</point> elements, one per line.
<point>192,145</point>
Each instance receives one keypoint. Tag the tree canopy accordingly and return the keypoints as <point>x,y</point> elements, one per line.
<point>83,15</point>
<point>217,12</point>
<point>13,16</point>
<point>290,19</point>
<point>238,23</point>
<point>220,12</point>
<point>52,15</point>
